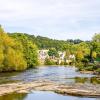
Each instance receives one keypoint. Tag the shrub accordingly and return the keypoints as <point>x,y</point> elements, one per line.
<point>49,62</point>
<point>98,70</point>
<point>89,68</point>
<point>80,66</point>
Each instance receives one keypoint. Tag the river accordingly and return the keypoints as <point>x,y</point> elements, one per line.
<point>60,74</point>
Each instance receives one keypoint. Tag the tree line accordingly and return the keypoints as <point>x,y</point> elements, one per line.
<point>19,51</point>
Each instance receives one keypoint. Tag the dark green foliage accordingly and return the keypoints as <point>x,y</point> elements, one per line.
<point>85,61</point>
<point>89,68</point>
<point>76,41</point>
<point>53,52</point>
<point>80,65</point>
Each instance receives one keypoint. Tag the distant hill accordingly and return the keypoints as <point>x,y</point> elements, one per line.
<point>46,43</point>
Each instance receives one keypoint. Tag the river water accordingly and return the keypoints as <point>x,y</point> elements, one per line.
<point>61,74</point>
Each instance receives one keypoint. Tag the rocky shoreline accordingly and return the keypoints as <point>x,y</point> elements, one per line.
<point>45,85</point>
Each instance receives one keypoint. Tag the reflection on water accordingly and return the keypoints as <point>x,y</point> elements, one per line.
<point>61,74</point>
<point>6,77</point>
<point>43,96</point>
<point>13,97</point>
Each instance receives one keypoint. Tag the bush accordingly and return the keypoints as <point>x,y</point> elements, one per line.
<point>80,66</point>
<point>62,63</point>
<point>98,70</point>
<point>49,62</point>
<point>89,68</point>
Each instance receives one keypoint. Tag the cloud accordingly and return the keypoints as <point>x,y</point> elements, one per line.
<point>59,19</point>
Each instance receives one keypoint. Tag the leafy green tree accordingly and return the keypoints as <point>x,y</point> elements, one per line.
<point>94,54</point>
<point>11,57</point>
<point>31,54</point>
<point>30,50</point>
<point>93,47</point>
<point>14,60</point>
<point>96,40</point>
<point>79,56</point>
<point>53,52</point>
<point>85,61</point>
<point>96,37</point>
<point>84,47</point>
<point>49,62</point>
<point>1,58</point>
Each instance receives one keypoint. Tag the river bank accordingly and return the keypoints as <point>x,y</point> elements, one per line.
<point>46,85</point>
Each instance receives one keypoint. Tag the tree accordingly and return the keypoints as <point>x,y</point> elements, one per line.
<point>53,52</point>
<point>1,58</point>
<point>96,37</point>
<point>14,60</point>
<point>31,54</point>
<point>29,49</point>
<point>11,53</point>
<point>77,41</point>
<point>49,62</point>
<point>94,54</point>
<point>85,61</point>
<point>94,46</point>
<point>1,30</point>
<point>79,56</point>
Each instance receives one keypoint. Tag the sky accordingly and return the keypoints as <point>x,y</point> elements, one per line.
<point>57,19</point>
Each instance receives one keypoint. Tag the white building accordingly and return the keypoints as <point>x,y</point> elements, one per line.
<point>43,54</point>
<point>72,57</point>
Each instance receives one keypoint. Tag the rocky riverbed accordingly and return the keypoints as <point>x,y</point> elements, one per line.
<point>46,85</point>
